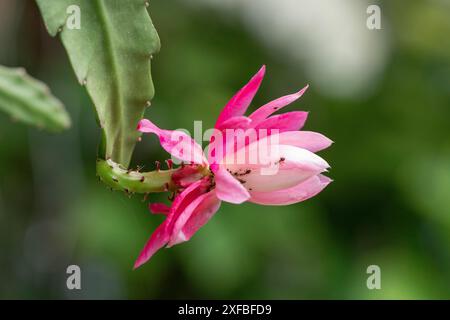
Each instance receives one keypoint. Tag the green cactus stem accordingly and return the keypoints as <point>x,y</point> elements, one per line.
<point>133,181</point>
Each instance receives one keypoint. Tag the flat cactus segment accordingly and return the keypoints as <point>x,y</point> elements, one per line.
<point>30,101</point>
<point>110,53</point>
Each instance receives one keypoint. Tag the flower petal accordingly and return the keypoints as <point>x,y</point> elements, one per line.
<point>228,188</point>
<point>194,217</point>
<point>275,168</point>
<point>192,192</point>
<point>239,122</point>
<point>298,193</point>
<point>308,140</point>
<point>268,109</point>
<point>177,143</point>
<point>289,121</point>
<point>204,212</point>
<point>228,140</point>
<point>161,235</point>
<point>158,239</point>
<point>186,175</point>
<point>159,208</point>
<point>240,102</point>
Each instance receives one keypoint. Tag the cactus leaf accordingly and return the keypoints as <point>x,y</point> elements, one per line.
<point>110,49</point>
<point>29,101</point>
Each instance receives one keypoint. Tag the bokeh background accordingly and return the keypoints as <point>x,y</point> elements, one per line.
<point>383,96</point>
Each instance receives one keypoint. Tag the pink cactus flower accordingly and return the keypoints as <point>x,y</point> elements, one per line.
<point>298,175</point>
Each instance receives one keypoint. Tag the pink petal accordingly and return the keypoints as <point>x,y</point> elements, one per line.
<point>157,208</point>
<point>201,215</point>
<point>275,168</point>
<point>273,106</point>
<point>298,193</point>
<point>289,121</point>
<point>216,147</point>
<point>308,140</point>
<point>177,143</point>
<point>175,236</point>
<point>228,188</point>
<point>240,102</point>
<point>186,175</point>
<point>217,143</point>
<point>194,217</point>
<point>158,240</point>
<point>239,122</point>
<point>189,194</point>
<point>161,235</point>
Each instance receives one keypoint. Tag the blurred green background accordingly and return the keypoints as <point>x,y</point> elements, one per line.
<point>383,96</point>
